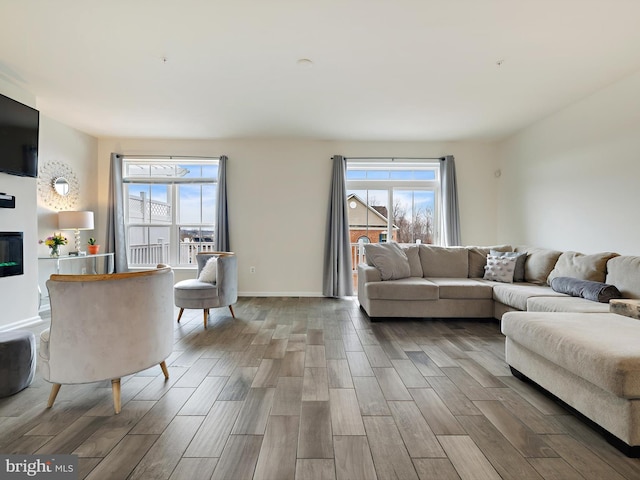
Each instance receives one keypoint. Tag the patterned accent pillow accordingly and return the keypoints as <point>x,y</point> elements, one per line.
<point>521,257</point>
<point>209,271</point>
<point>500,269</point>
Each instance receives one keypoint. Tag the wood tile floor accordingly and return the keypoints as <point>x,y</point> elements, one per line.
<point>308,388</point>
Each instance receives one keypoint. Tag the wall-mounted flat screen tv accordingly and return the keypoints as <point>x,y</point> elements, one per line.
<point>18,138</point>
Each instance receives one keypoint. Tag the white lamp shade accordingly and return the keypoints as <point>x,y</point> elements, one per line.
<point>75,220</point>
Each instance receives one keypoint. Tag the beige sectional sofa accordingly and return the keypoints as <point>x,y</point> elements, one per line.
<point>447,282</point>
<point>572,347</point>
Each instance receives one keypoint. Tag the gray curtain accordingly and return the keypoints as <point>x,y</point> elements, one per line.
<point>338,275</point>
<point>116,233</point>
<point>450,212</point>
<point>222,218</point>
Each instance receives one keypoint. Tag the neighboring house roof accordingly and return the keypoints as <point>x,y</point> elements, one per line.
<point>379,214</point>
<point>381,210</point>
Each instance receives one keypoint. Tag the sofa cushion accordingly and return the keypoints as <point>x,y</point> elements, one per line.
<point>539,263</point>
<point>624,273</point>
<point>444,261</point>
<point>521,258</point>
<point>411,288</point>
<point>194,289</point>
<point>412,251</point>
<point>516,295</point>
<point>565,304</point>
<point>389,258</point>
<point>478,258</point>
<point>602,348</point>
<point>500,269</point>
<point>462,288</point>
<point>584,267</point>
<point>594,291</point>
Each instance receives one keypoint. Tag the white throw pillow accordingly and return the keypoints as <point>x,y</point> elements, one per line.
<point>389,259</point>
<point>521,258</point>
<point>500,269</point>
<point>208,272</point>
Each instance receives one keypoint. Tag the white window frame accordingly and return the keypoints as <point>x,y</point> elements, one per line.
<point>390,185</point>
<point>172,182</point>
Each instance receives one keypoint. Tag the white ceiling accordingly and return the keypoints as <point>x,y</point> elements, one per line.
<point>382,69</point>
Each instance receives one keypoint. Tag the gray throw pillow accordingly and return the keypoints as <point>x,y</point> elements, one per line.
<point>389,259</point>
<point>594,291</point>
<point>521,257</point>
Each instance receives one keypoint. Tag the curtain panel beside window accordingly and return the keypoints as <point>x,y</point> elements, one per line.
<point>338,279</point>
<point>222,220</point>
<point>450,211</point>
<point>116,232</point>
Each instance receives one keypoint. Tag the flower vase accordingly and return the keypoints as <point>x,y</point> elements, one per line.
<point>55,252</point>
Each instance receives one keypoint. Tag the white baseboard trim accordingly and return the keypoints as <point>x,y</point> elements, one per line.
<point>280,294</point>
<point>27,322</point>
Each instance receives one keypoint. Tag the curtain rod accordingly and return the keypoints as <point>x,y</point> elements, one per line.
<point>171,157</point>
<point>393,158</point>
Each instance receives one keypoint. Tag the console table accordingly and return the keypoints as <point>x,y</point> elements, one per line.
<point>99,263</point>
<point>82,264</point>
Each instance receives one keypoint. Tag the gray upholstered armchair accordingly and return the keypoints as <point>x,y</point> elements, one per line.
<point>216,284</point>
<point>104,327</point>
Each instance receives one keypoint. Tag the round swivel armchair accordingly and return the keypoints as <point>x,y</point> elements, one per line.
<point>106,327</point>
<point>215,286</point>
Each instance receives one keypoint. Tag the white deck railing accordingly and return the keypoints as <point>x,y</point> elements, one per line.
<point>154,253</point>
<point>188,251</point>
<point>150,254</point>
<point>357,255</point>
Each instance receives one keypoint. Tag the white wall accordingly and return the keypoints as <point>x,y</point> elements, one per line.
<point>79,151</point>
<point>279,193</point>
<point>570,181</point>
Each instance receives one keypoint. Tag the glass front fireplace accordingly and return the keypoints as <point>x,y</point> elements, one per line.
<point>11,256</point>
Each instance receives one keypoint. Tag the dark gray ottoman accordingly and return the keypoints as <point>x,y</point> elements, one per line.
<point>17,361</point>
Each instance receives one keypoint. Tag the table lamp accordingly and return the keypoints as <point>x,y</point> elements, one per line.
<point>75,221</point>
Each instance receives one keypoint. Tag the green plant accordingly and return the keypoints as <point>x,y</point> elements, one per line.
<point>91,241</point>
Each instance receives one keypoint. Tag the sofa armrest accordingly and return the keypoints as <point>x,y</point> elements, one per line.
<point>367,273</point>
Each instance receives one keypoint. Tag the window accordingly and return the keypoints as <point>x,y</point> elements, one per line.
<point>170,209</point>
<point>393,200</point>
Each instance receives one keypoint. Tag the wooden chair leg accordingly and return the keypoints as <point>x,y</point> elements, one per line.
<point>180,314</point>
<point>55,388</point>
<point>232,312</point>
<point>115,388</point>
<point>163,366</point>
<point>206,315</point>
